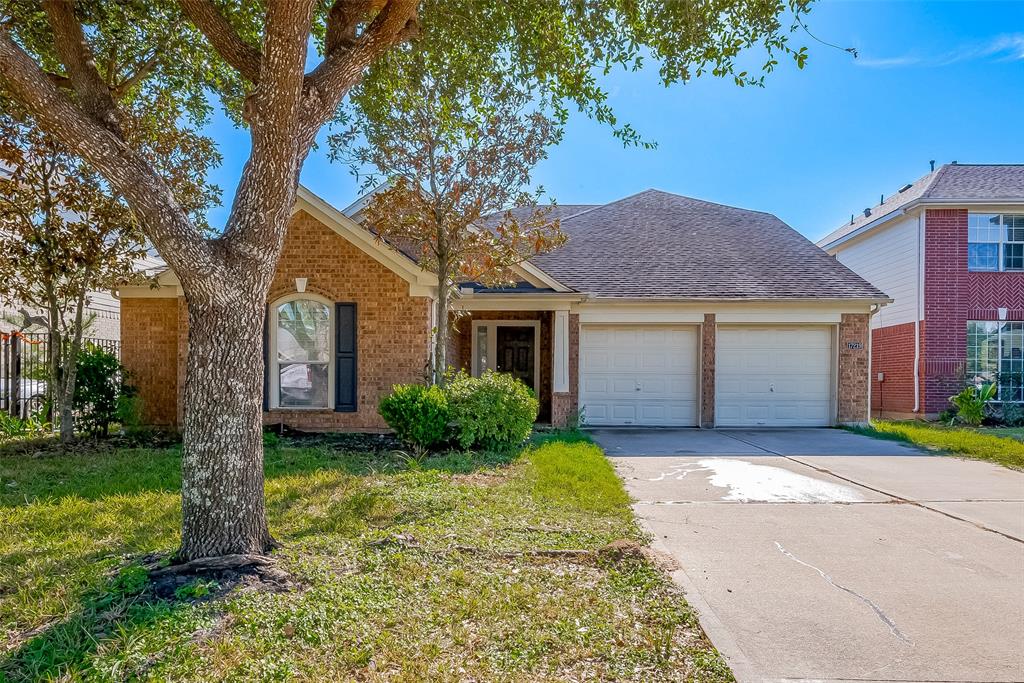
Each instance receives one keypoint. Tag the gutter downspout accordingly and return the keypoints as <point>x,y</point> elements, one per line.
<point>920,312</point>
<point>871,370</point>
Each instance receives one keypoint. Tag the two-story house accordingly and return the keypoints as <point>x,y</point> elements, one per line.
<point>949,250</point>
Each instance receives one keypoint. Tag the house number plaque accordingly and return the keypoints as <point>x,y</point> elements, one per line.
<point>854,346</point>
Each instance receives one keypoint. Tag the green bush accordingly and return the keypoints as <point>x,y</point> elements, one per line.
<point>970,403</point>
<point>100,389</point>
<point>494,411</point>
<point>418,414</point>
<point>1012,414</point>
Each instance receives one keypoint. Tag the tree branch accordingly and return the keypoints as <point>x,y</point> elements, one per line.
<point>239,54</point>
<point>73,49</point>
<point>344,63</point>
<point>167,225</point>
<point>140,74</point>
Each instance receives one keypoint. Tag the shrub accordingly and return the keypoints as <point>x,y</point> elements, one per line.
<point>970,403</point>
<point>418,414</point>
<point>495,411</point>
<point>99,389</point>
<point>1012,414</point>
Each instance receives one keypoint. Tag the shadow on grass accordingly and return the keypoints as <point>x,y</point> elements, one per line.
<point>121,610</point>
<point>96,474</point>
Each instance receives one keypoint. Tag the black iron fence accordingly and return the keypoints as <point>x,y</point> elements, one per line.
<point>25,370</point>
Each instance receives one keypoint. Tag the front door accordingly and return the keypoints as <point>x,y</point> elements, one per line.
<point>515,352</point>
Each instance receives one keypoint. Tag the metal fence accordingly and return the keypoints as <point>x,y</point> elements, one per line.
<point>25,369</point>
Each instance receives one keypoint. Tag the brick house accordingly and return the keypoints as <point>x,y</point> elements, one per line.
<point>660,310</point>
<point>949,249</point>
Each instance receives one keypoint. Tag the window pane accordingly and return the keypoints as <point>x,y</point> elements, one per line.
<point>983,227</point>
<point>304,331</point>
<point>982,351</point>
<point>303,385</point>
<point>1011,362</point>
<point>983,257</point>
<point>481,348</point>
<point>1013,257</point>
<point>1014,224</point>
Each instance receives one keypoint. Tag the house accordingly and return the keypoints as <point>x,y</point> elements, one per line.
<point>660,310</point>
<point>949,249</point>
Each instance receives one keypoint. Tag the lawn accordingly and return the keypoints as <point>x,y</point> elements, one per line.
<point>993,445</point>
<point>407,572</point>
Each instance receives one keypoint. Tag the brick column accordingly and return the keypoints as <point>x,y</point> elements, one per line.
<point>707,372</point>
<point>853,368</point>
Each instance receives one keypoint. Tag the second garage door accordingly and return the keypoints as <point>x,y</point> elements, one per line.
<point>639,375</point>
<point>773,377</point>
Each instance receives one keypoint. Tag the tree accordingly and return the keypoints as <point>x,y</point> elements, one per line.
<point>456,162</point>
<point>76,66</point>
<point>65,235</point>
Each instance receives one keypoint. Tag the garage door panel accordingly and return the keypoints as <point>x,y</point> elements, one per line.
<point>774,376</point>
<point>636,375</point>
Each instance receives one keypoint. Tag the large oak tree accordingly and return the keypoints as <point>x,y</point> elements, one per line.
<point>76,67</point>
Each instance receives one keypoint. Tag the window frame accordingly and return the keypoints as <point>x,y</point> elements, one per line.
<point>274,363</point>
<point>1003,329</point>
<point>1003,239</point>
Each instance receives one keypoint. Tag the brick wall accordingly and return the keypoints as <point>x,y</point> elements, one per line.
<point>892,353</point>
<point>393,330</point>
<point>707,371</point>
<point>853,368</point>
<point>954,295</point>
<point>149,336</point>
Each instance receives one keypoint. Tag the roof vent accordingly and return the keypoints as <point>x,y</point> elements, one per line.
<point>867,212</point>
<point>905,187</point>
<point>953,163</point>
<point>851,219</point>
<point>932,162</point>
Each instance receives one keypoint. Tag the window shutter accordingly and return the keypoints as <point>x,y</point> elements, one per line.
<point>345,358</point>
<point>266,359</point>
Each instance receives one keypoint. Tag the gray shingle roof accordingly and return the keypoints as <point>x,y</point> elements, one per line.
<point>950,182</point>
<point>659,245</point>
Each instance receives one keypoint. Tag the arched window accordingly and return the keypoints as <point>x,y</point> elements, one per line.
<point>302,357</point>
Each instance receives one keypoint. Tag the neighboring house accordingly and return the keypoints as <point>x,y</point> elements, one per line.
<point>949,249</point>
<point>660,310</point>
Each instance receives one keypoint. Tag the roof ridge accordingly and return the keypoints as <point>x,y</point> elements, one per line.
<point>676,195</point>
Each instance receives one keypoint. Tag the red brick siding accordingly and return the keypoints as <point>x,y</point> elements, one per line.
<point>149,338</point>
<point>952,296</point>
<point>707,371</point>
<point>892,354</point>
<point>853,368</point>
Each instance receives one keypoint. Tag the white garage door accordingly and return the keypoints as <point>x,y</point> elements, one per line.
<point>774,377</point>
<point>634,375</point>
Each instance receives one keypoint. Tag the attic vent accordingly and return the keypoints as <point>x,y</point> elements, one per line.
<point>867,212</point>
<point>905,187</point>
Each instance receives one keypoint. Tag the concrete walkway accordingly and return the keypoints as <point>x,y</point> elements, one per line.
<point>828,556</point>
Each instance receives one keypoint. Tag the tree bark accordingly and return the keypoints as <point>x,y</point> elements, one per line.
<point>223,509</point>
<point>441,334</point>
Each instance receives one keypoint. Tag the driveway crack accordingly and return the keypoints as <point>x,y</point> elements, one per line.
<point>885,619</point>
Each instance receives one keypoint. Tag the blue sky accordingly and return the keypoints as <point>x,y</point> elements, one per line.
<point>934,80</point>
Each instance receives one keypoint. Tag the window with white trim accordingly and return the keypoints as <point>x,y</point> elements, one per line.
<point>301,353</point>
<point>995,241</point>
<point>995,353</point>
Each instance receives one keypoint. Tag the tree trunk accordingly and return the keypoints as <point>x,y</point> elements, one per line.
<point>223,510</point>
<point>441,329</point>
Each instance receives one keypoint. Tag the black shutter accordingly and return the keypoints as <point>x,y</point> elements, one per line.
<point>345,396</point>
<point>266,359</point>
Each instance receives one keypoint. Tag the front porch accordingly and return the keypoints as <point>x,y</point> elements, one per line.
<point>536,340</point>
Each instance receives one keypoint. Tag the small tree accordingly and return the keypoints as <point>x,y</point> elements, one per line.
<point>457,161</point>
<point>65,235</point>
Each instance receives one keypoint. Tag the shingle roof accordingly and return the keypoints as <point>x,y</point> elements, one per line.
<point>557,211</point>
<point>950,182</point>
<point>659,245</point>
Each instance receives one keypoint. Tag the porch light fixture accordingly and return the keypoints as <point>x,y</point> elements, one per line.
<point>300,284</point>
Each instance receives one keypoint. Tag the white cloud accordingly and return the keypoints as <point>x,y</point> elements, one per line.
<point>1004,48</point>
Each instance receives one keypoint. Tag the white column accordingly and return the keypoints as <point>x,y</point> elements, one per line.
<point>560,350</point>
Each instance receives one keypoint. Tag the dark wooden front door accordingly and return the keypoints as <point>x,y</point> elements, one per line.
<point>516,353</point>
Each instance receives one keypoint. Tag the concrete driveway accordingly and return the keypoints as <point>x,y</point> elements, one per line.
<point>823,555</point>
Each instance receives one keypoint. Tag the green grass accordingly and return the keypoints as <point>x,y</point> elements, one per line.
<point>441,607</point>
<point>971,443</point>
